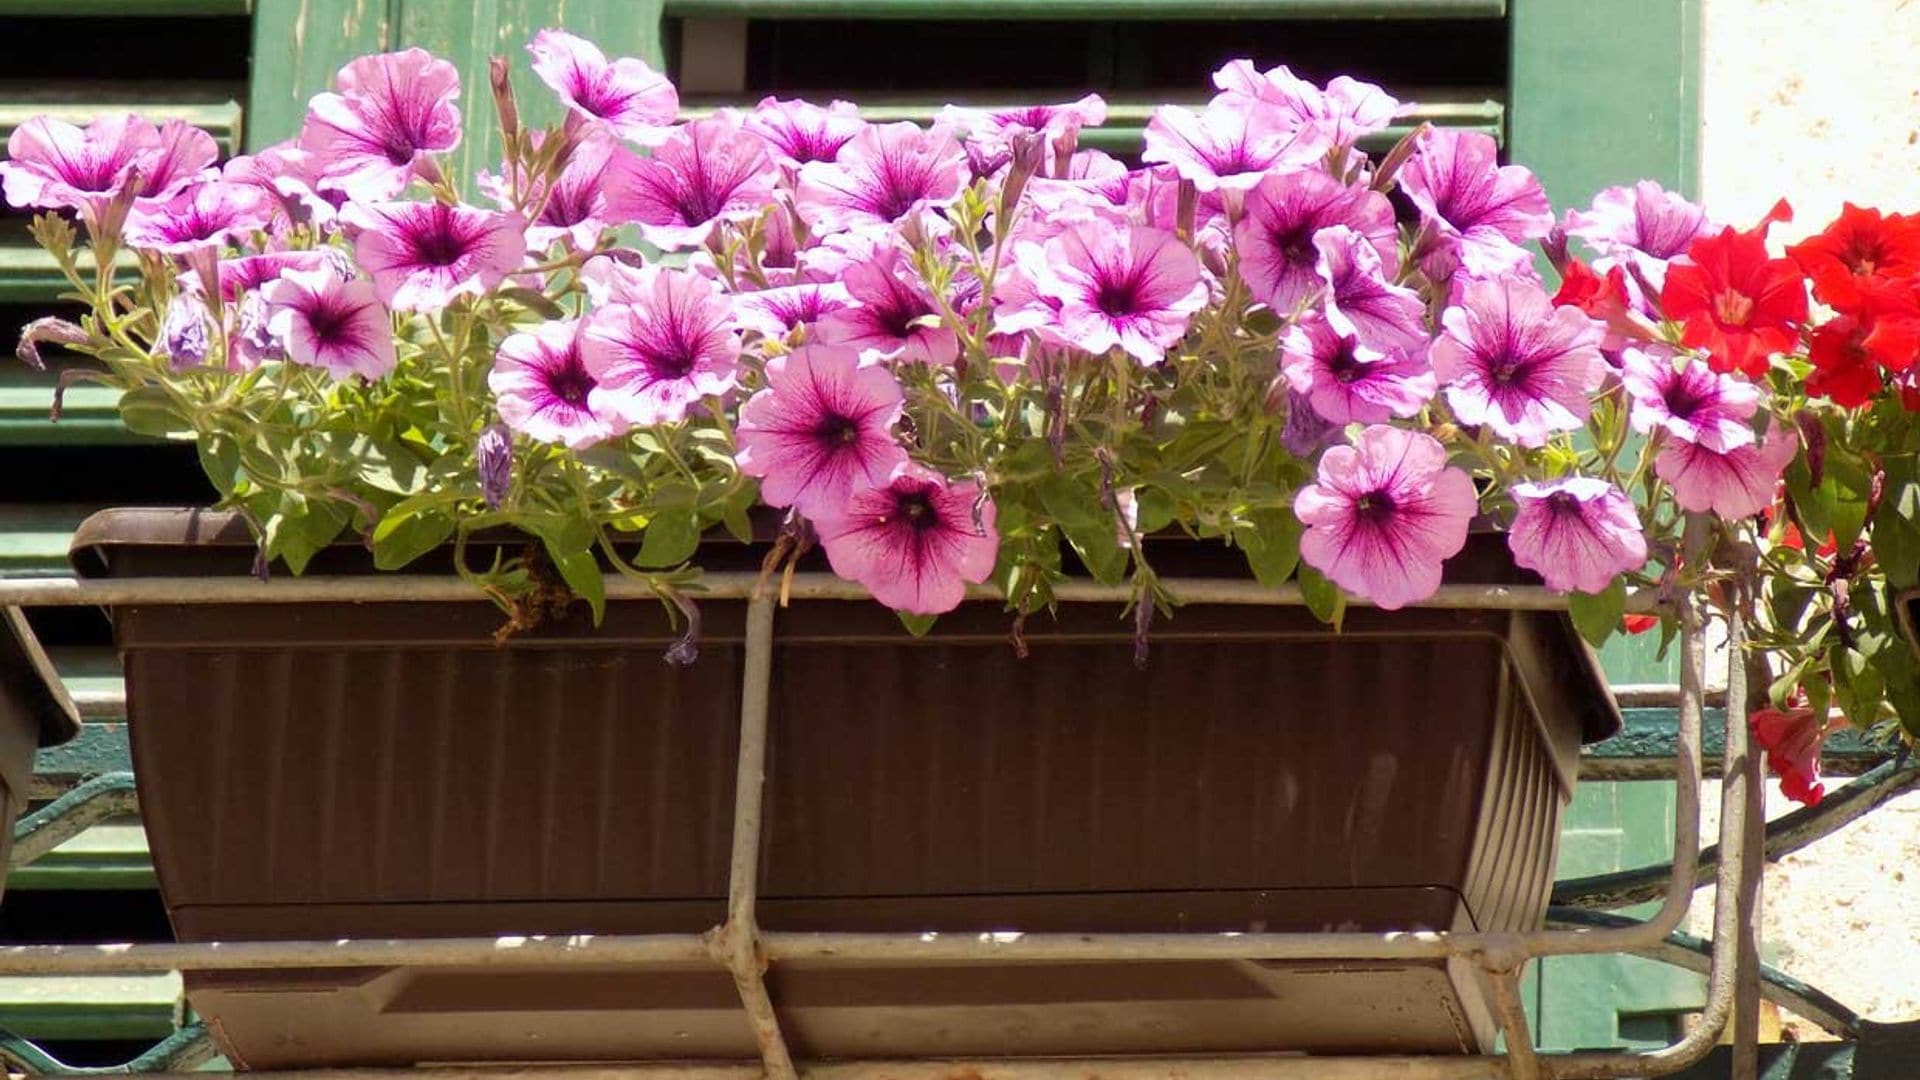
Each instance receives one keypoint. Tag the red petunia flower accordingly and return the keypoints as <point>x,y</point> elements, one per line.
<point>1792,740</point>
<point>1859,256</point>
<point>1843,368</point>
<point>1734,301</point>
<point>1604,299</point>
<point>1639,624</point>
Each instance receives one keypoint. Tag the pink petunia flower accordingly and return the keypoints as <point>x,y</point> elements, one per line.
<point>1275,237</point>
<point>1482,209</point>
<point>1644,225</point>
<point>1736,483</point>
<point>671,345</point>
<point>702,174</point>
<point>243,275</point>
<point>1346,109</point>
<point>1383,514</point>
<point>1577,533</point>
<point>1360,301</point>
<point>184,156</point>
<point>821,429</point>
<point>574,208</point>
<point>392,111</point>
<point>289,176</point>
<point>775,313</point>
<point>328,323</point>
<point>1348,382</point>
<point>1231,145</point>
<point>1512,361</point>
<point>543,389</point>
<point>209,215</point>
<point>422,256</point>
<point>994,129</point>
<point>915,542</point>
<point>798,132</point>
<point>892,316</point>
<point>1127,287</point>
<point>885,173</point>
<point>1691,402</point>
<point>52,163</point>
<point>630,98</point>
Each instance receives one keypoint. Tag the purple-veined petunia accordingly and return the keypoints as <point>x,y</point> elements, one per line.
<point>574,207</point>
<point>1514,362</point>
<point>390,112</point>
<point>1384,513</point>
<point>1734,484</point>
<point>885,173</point>
<point>1690,402</point>
<point>184,157</point>
<point>250,272</point>
<point>1345,109</point>
<point>798,132</point>
<point>543,389</point>
<point>291,178</point>
<point>1231,145</point>
<point>1127,287</point>
<point>892,315</point>
<point>994,129</point>
<point>1577,533</point>
<point>1644,225</point>
<point>1275,236</point>
<point>51,163</point>
<point>325,322</point>
<point>1482,210</point>
<point>700,175</point>
<point>1346,381</point>
<point>423,255</point>
<point>775,313</point>
<point>209,215</point>
<point>915,542</point>
<point>633,100</point>
<point>673,342</point>
<point>1360,301</point>
<point>821,429</point>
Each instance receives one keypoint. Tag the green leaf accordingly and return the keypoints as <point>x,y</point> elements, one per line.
<point>733,512</point>
<point>1597,615</point>
<point>917,624</point>
<point>581,571</point>
<point>220,460</point>
<point>671,538</point>
<point>1270,537</point>
<point>1896,524</point>
<point>401,538</point>
<point>147,410</point>
<point>302,528</point>
<point>1323,597</point>
<point>1089,526</point>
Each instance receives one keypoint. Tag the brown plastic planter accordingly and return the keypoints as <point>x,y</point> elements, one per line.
<point>323,771</point>
<point>34,712</point>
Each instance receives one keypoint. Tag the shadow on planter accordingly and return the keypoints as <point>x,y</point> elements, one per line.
<point>384,770</point>
<point>34,712</point>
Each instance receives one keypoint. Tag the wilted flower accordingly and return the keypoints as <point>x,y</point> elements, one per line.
<point>1792,739</point>
<point>543,389</point>
<point>329,323</point>
<point>671,344</point>
<point>47,328</point>
<point>1577,533</point>
<point>423,255</point>
<point>1383,514</point>
<point>822,429</point>
<point>183,334</point>
<point>493,460</point>
<point>915,542</point>
<point>630,98</point>
<point>391,111</point>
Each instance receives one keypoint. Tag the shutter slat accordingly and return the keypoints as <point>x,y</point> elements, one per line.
<point>1088,9</point>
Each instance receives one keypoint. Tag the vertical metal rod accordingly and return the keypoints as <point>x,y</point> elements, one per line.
<point>1746,987</point>
<point>1523,1063</point>
<point>737,944</point>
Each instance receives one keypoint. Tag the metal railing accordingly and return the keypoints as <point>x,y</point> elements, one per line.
<point>739,946</point>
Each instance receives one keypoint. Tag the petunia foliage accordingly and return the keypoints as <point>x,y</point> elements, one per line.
<point>975,353</point>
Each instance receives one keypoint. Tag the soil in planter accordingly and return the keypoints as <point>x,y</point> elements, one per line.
<point>322,771</point>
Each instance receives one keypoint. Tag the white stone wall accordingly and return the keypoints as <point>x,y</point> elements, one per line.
<point>1819,101</point>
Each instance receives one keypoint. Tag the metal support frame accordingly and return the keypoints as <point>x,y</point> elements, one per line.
<point>745,951</point>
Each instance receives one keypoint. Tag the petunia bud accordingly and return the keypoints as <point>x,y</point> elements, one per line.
<point>252,342</point>
<point>183,335</point>
<point>1186,203</point>
<point>58,331</point>
<point>1554,246</point>
<point>493,457</point>
<point>499,76</point>
<point>1028,152</point>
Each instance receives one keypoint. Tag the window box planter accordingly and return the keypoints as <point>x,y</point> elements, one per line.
<point>383,770</point>
<point>34,712</point>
